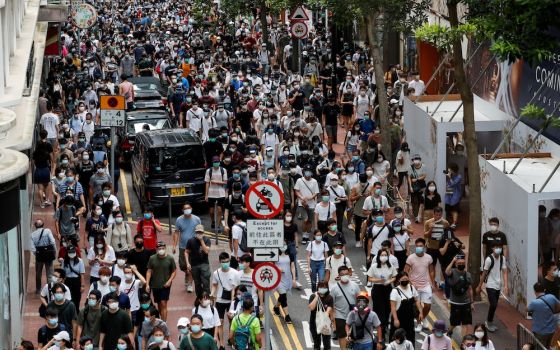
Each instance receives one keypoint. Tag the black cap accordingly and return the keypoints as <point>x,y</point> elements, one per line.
<point>398,209</point>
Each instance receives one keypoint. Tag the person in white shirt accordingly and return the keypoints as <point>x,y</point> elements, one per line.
<point>237,231</point>
<point>224,281</point>
<point>51,123</point>
<point>377,233</point>
<point>46,294</point>
<point>495,276</point>
<point>41,237</point>
<point>211,322</point>
<point>401,241</point>
<point>382,274</point>
<point>376,201</point>
<point>418,85</point>
<point>335,261</point>
<point>194,118</point>
<point>216,178</point>
<point>316,256</point>
<point>307,190</point>
<point>207,123</point>
<point>131,284</point>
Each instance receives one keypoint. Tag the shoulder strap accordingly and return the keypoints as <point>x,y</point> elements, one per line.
<point>344,294</point>
<point>547,304</point>
<point>190,342</point>
<point>40,236</point>
<point>365,188</point>
<point>379,232</point>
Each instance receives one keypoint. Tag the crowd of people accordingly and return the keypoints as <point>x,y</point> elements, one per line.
<point>258,118</point>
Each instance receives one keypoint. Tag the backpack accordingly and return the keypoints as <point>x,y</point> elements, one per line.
<point>461,287</point>
<point>243,244</point>
<point>492,266</point>
<point>242,335</point>
<point>330,262</point>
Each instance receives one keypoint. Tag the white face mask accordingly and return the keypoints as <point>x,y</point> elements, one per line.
<point>432,188</point>
<point>161,252</point>
<point>104,279</point>
<point>120,262</point>
<point>113,306</point>
<point>383,258</point>
<point>71,255</point>
<point>493,228</point>
<point>479,334</point>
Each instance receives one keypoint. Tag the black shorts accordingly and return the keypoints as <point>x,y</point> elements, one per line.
<point>161,294</point>
<point>222,308</point>
<point>460,315</point>
<point>340,325</point>
<point>452,208</point>
<point>219,201</point>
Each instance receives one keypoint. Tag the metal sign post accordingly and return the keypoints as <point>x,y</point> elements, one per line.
<point>266,277</point>
<point>112,159</point>
<point>112,110</point>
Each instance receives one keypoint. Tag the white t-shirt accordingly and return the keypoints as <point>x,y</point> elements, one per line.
<point>225,279</point>
<point>405,166</point>
<point>109,256</point>
<point>307,188</point>
<point>45,292</point>
<point>409,292</point>
<point>478,345</point>
<point>237,233</point>
<point>371,203</point>
<point>495,275</point>
<point>336,193</point>
<point>384,271</point>
<point>325,213</point>
<point>216,191</point>
<point>209,319</point>
<point>399,241</point>
<point>49,121</point>
<point>317,250</point>
<point>379,234</point>
<point>246,279</point>
<point>333,264</point>
<point>103,288</point>
<point>195,119</point>
<point>131,290</point>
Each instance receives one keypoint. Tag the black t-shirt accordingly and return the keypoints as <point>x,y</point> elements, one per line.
<point>489,239</point>
<point>290,232</point>
<point>196,255</point>
<point>331,240</point>
<point>552,287</point>
<point>114,325</point>
<point>453,249</point>
<point>42,154</point>
<point>66,314</point>
<point>85,170</point>
<point>331,113</point>
<point>45,334</point>
<point>299,100</point>
<point>327,301</point>
<point>140,259</point>
<point>232,204</point>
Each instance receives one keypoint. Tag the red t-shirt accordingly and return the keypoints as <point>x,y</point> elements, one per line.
<point>148,231</point>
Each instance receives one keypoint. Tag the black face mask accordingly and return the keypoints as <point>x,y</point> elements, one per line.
<point>139,245</point>
<point>461,267</point>
<point>404,283</point>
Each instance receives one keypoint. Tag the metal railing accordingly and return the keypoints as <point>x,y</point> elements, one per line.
<point>525,336</point>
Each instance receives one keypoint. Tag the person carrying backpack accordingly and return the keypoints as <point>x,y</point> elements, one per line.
<point>239,237</point>
<point>361,323</point>
<point>245,331</point>
<point>495,276</point>
<point>461,293</point>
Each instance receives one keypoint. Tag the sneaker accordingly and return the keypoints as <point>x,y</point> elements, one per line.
<point>288,319</point>
<point>490,326</point>
<point>299,285</point>
<point>42,205</point>
<point>369,284</point>
<point>276,311</point>
<point>418,328</point>
<point>453,226</point>
<point>425,324</point>
<point>189,288</point>
<point>334,336</point>
<point>47,203</point>
<point>358,244</point>
<point>351,227</point>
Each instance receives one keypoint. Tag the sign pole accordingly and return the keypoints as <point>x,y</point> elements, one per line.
<point>113,154</point>
<point>169,200</point>
<point>267,316</point>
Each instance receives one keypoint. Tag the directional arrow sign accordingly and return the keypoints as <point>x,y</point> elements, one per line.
<point>266,254</point>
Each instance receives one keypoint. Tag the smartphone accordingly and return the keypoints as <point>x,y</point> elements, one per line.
<point>460,256</point>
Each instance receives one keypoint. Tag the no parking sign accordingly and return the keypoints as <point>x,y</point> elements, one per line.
<point>264,200</point>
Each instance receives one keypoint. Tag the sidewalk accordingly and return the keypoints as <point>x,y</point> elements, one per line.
<point>180,302</point>
<point>507,317</point>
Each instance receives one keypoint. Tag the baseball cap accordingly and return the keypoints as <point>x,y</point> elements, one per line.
<point>339,243</point>
<point>377,212</point>
<point>62,336</point>
<point>215,159</point>
<point>199,228</point>
<point>161,244</point>
<point>183,321</point>
<point>439,325</point>
<point>398,209</point>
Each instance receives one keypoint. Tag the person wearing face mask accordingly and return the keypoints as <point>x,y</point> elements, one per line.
<point>159,341</point>
<point>224,280</point>
<point>86,343</point>
<point>344,300</point>
<point>286,264</point>
<point>75,269</point>
<point>151,321</point>
<point>61,341</point>
<point>197,338</point>
<point>495,277</point>
<point>375,231</point>
<point>51,327</point>
<point>453,193</point>
<point>43,246</point>
<point>382,274</point>
<point>333,262</point>
<point>67,314</point>
<point>469,343</point>
<point>421,269</point>
<point>115,323</point>
<point>324,211</point>
<point>400,342</point>
<point>149,227</point>
<point>89,319</point>
<point>100,255</point>
<point>331,112</point>
<point>401,242</point>
<point>183,324</point>
<point>481,339</point>
<point>461,294</point>
<point>321,301</point>
<point>317,252</point>
<point>196,253</point>
<point>307,190</point>
<point>417,181</point>
<point>551,279</point>
<point>216,179</point>
<point>184,231</point>
<point>159,277</point>
<point>376,201</point>
<point>438,340</point>
<point>430,200</point>
<point>493,236</point>
<point>361,324</point>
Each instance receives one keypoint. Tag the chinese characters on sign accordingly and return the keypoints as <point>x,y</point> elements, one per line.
<point>265,233</point>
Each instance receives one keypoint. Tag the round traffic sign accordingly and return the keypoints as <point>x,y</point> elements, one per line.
<point>264,200</point>
<point>266,276</point>
<point>298,30</point>
<point>112,102</point>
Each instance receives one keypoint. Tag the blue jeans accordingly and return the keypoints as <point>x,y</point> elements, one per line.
<point>317,268</point>
<point>366,346</point>
<point>293,253</point>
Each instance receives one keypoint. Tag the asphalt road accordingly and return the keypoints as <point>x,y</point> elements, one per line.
<point>294,336</point>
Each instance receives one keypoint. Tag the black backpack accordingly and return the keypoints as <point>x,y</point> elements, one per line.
<point>243,243</point>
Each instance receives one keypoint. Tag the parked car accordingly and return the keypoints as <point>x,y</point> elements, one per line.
<point>148,93</point>
<point>170,157</point>
<point>136,121</point>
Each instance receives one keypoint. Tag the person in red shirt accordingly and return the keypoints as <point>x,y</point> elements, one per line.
<point>149,227</point>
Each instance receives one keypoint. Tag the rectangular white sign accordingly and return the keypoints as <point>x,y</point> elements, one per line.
<point>112,117</point>
<point>265,233</point>
<point>265,254</point>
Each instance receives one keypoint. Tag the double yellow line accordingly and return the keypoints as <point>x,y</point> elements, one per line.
<point>290,327</point>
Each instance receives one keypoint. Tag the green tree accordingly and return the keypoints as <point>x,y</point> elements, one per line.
<point>519,29</point>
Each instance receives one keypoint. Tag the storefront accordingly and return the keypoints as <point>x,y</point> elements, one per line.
<point>13,184</point>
